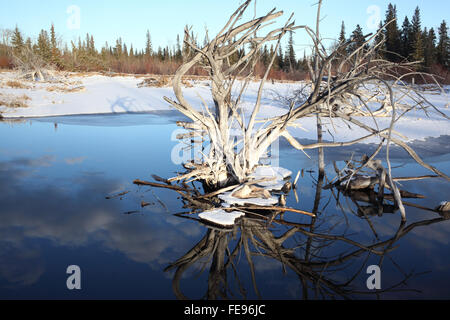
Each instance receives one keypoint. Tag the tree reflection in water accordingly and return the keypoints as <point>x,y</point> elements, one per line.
<point>316,257</point>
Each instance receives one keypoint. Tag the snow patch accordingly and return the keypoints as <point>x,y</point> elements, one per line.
<point>221,217</point>
<point>109,95</point>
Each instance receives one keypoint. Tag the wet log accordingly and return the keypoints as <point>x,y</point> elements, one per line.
<point>158,185</point>
<point>159,179</point>
<point>444,206</point>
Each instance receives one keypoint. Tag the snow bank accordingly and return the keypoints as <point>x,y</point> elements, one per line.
<point>107,95</point>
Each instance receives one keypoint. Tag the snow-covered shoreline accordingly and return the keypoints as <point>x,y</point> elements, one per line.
<point>102,95</point>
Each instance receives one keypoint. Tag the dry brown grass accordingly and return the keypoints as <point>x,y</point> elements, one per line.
<point>16,84</point>
<point>163,81</point>
<point>186,83</point>
<point>158,82</point>
<point>65,89</point>
<point>14,101</point>
<point>11,101</point>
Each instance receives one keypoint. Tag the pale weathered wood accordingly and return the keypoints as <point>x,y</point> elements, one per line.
<point>338,90</point>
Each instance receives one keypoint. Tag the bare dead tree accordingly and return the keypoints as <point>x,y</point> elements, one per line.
<point>342,88</point>
<point>359,84</point>
<point>32,66</point>
<point>223,164</point>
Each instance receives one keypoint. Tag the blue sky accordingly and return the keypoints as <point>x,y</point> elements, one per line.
<point>108,20</point>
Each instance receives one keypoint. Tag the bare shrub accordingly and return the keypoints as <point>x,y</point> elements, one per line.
<point>11,101</point>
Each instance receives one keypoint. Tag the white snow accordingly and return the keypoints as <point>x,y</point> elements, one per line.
<point>229,199</point>
<point>106,95</point>
<point>279,174</point>
<point>221,217</point>
<point>269,172</point>
<point>272,185</point>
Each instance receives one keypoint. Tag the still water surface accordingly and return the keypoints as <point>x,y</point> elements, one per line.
<point>56,173</point>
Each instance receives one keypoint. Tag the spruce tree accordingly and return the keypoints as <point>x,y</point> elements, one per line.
<point>357,39</point>
<point>118,49</point>
<point>342,39</point>
<point>417,37</point>
<point>125,50</point>
<point>131,51</point>
<point>379,38</point>
<point>405,38</point>
<point>291,61</point>
<point>53,36</point>
<point>429,47</point>
<point>280,60</point>
<point>392,34</point>
<point>44,46</point>
<point>442,50</point>
<point>93,51</point>
<point>17,41</point>
<point>55,58</point>
<point>178,54</point>
<point>148,45</point>
<point>265,58</point>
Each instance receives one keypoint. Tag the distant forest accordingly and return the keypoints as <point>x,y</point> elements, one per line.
<point>406,42</point>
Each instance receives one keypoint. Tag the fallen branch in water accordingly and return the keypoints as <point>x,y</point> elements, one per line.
<point>271,209</point>
<point>158,185</point>
<point>415,178</point>
<point>159,179</point>
<point>117,195</point>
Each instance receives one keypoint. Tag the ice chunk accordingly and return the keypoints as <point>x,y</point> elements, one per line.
<point>279,174</point>
<point>265,172</point>
<point>221,217</point>
<point>273,185</point>
<point>228,198</point>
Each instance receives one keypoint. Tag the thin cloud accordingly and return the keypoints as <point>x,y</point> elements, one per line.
<point>73,161</point>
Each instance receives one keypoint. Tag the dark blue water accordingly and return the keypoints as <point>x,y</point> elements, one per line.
<point>55,175</point>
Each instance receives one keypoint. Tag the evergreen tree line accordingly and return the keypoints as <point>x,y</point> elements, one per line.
<point>409,42</point>
<point>83,55</point>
